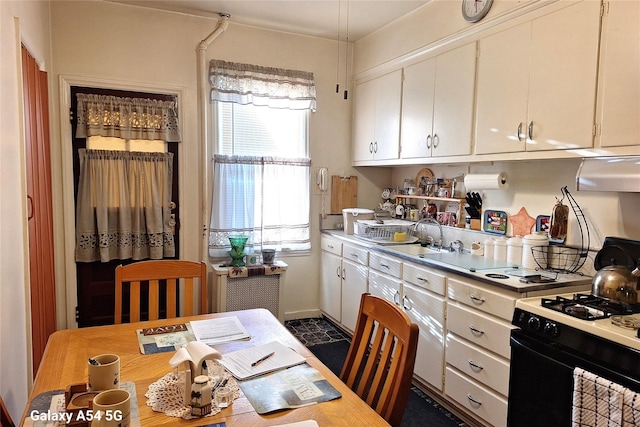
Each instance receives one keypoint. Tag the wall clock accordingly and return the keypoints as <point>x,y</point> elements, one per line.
<point>475,10</point>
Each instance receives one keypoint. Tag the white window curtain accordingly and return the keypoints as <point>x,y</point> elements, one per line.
<point>122,207</point>
<point>262,86</point>
<point>249,198</point>
<point>127,118</point>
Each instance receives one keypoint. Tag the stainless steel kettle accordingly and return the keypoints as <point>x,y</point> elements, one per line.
<point>615,282</point>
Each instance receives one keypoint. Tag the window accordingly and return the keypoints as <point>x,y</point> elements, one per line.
<point>247,130</point>
<point>261,178</point>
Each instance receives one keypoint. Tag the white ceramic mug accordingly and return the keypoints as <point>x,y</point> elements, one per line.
<point>111,408</point>
<point>103,372</point>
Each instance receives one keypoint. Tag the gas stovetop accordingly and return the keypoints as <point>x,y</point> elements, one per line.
<point>605,326</point>
<point>588,307</point>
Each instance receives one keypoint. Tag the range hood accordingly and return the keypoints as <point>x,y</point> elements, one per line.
<point>609,174</point>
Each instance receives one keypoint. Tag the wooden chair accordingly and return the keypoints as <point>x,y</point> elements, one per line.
<point>379,364</point>
<point>155,272</point>
<point>5,417</point>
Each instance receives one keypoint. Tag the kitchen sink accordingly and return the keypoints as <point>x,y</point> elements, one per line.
<point>458,259</point>
<point>418,250</point>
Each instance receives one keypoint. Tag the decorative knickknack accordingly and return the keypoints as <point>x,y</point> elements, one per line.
<point>237,249</point>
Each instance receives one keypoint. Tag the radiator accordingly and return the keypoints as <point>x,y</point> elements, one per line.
<point>254,292</point>
<point>242,293</point>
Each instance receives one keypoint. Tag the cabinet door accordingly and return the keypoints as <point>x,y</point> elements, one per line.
<point>503,81</point>
<point>619,87</point>
<point>562,88</point>
<point>453,110</point>
<point>387,116</point>
<point>363,120</point>
<point>427,310</point>
<point>354,284</point>
<point>331,285</point>
<point>417,109</point>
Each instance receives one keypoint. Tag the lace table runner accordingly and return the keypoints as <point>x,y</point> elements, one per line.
<point>166,395</point>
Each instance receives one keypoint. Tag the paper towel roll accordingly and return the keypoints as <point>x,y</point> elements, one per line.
<point>486,181</point>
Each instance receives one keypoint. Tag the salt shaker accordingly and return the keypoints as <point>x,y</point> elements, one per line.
<point>200,396</point>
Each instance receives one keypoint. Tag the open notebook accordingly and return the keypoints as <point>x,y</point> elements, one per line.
<point>240,362</point>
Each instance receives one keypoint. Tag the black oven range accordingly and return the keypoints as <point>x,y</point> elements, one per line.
<point>555,335</point>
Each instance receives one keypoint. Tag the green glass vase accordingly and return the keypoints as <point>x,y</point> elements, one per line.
<point>237,250</point>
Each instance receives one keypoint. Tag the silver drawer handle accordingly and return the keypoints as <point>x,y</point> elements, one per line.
<point>473,401</point>
<point>353,254</point>
<point>384,265</point>
<point>475,366</point>
<point>476,331</point>
<point>477,300</point>
<point>396,298</point>
<point>406,306</point>
<point>330,246</point>
<point>422,279</point>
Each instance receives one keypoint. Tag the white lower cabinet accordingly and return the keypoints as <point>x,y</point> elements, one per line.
<point>331,278</point>
<point>427,311</point>
<point>355,270</point>
<point>481,401</point>
<point>344,280</point>
<point>477,348</point>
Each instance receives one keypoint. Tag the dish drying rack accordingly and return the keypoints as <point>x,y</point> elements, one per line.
<point>384,232</point>
<point>565,259</point>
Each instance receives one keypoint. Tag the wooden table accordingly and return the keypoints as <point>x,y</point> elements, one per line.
<point>65,362</point>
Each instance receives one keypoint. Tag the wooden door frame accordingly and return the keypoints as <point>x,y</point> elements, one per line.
<point>66,154</point>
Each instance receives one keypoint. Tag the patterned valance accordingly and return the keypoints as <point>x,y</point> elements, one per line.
<point>127,118</point>
<point>266,86</point>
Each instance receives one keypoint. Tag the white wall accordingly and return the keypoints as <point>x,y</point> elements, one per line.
<point>27,22</point>
<point>123,44</point>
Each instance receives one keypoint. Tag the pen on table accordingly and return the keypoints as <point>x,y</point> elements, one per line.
<point>262,359</point>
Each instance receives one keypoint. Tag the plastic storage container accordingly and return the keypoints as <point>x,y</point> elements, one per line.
<point>531,241</point>
<point>352,214</point>
<point>514,250</point>
<point>500,249</point>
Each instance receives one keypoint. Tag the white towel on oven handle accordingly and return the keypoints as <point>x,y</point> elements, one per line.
<point>597,402</point>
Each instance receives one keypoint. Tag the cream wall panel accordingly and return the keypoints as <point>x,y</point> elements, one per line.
<point>26,22</point>
<point>138,46</point>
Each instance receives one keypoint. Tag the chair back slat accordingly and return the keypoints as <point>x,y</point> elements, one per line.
<point>173,274</point>
<point>154,299</point>
<point>381,357</point>
<point>134,301</point>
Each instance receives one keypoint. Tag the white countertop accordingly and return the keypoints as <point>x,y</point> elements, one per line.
<point>474,266</point>
<point>602,328</point>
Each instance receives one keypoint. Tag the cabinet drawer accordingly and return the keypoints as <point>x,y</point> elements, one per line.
<point>390,266</point>
<point>477,399</point>
<point>424,278</point>
<point>478,364</point>
<point>490,333</point>
<point>492,302</point>
<point>331,245</point>
<point>355,254</point>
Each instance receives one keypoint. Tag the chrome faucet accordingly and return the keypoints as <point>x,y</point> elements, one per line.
<point>440,242</point>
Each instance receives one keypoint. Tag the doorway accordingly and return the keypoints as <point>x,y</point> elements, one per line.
<point>40,205</point>
<point>96,280</point>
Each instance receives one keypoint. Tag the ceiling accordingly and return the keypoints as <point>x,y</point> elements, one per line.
<point>318,18</point>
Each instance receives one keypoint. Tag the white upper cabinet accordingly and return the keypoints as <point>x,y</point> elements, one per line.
<point>537,83</point>
<point>437,105</point>
<point>377,118</point>
<point>619,80</point>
